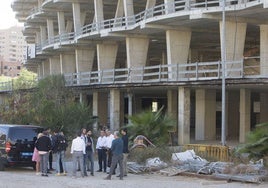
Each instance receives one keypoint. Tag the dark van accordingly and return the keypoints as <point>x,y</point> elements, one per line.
<point>17,145</point>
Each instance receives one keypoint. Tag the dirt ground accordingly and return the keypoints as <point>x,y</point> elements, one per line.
<point>26,178</point>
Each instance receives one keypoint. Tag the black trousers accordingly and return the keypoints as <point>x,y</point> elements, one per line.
<point>102,159</point>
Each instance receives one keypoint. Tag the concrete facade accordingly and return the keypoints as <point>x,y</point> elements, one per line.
<point>137,56</point>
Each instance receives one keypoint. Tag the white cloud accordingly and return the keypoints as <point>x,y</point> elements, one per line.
<point>7,16</point>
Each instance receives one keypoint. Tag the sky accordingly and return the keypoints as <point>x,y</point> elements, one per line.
<point>7,16</point>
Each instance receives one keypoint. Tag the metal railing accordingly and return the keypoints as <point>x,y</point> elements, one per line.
<point>159,11</point>
<point>164,73</point>
<point>197,71</point>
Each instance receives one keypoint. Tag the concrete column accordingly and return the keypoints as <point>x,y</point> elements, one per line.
<point>149,5</point>
<point>129,12</point>
<point>38,38</point>
<point>130,104</point>
<point>61,23</point>
<point>232,107</point>
<point>46,68</point>
<point>100,105</point>
<point>114,109</point>
<point>205,115</point>
<point>99,15</point>
<point>69,26</point>
<point>43,34</point>
<point>245,105</point>
<point>178,45</point>
<point>183,116</point>
<point>263,107</point>
<point>68,64</point>
<point>172,104</point>
<point>119,13</point>
<point>50,30</point>
<point>234,42</point>
<point>55,68</point>
<point>264,50</point>
<point>84,59</point>
<point>76,17</point>
<point>137,49</point>
<point>106,55</point>
<point>170,6</point>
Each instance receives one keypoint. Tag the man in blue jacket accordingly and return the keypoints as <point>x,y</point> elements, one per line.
<point>117,155</point>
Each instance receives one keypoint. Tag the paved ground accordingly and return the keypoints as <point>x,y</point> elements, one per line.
<point>26,178</point>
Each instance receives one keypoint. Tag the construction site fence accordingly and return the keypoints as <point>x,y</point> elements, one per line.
<point>210,152</point>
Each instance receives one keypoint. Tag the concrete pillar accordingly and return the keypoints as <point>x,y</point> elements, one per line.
<point>38,38</point>
<point>169,6</point>
<point>43,34</point>
<point>114,109</point>
<point>40,70</point>
<point>264,50</point>
<point>55,68</point>
<point>178,45</point>
<point>76,17</point>
<point>61,23</point>
<point>106,56</point>
<point>50,30</point>
<point>129,12</point>
<point>205,114</point>
<point>46,68</point>
<point>84,59</point>
<point>263,107</point>
<point>69,26</point>
<point>137,49</point>
<point>232,107</point>
<point>67,62</point>
<point>183,116</point>
<point>130,104</point>
<point>149,8</point>
<point>119,13</point>
<point>172,104</point>
<point>245,105</point>
<point>100,107</point>
<point>235,35</point>
<point>99,15</point>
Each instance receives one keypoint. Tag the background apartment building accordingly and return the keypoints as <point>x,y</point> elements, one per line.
<point>12,51</point>
<point>125,56</point>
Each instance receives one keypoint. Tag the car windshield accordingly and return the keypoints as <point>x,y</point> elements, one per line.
<point>23,134</point>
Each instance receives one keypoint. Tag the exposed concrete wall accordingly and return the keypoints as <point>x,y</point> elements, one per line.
<point>43,34</point>
<point>172,106</point>
<point>46,68</point>
<point>68,64</point>
<point>245,104</point>
<point>100,107</point>
<point>170,6</point>
<point>178,45</point>
<point>263,107</point>
<point>205,114</point>
<point>183,115</point>
<point>129,11</point>
<point>99,15</point>
<point>76,17</point>
<point>61,22</point>
<point>115,109</point>
<point>264,50</point>
<point>84,59</point>
<point>233,114</point>
<point>50,30</point>
<point>235,35</point>
<point>106,55</point>
<point>55,65</point>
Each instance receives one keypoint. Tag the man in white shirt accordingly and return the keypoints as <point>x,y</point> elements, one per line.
<point>101,148</point>
<point>78,149</point>
<point>110,138</point>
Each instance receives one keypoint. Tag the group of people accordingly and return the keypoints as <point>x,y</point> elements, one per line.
<point>46,146</point>
<point>111,149</point>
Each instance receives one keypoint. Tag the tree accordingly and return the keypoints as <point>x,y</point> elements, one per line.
<point>156,126</point>
<point>51,105</point>
<point>257,142</point>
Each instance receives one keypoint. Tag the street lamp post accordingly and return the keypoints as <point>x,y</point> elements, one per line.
<point>223,63</point>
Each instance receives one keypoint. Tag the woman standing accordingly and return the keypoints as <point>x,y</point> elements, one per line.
<point>36,156</point>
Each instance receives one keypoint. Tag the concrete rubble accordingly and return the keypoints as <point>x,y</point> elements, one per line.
<point>188,163</point>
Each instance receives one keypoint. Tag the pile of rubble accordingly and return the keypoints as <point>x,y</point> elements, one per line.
<point>188,163</point>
